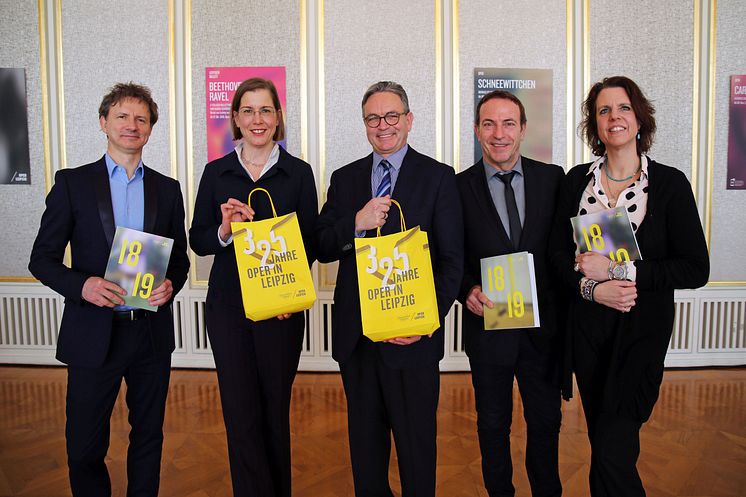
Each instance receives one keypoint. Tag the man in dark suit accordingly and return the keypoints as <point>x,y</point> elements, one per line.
<point>508,203</point>
<point>392,385</point>
<point>100,339</point>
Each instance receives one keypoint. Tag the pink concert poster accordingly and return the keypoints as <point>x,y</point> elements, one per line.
<point>737,134</point>
<point>220,86</point>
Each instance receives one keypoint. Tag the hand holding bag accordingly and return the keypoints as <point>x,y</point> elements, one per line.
<point>395,280</point>
<point>272,265</point>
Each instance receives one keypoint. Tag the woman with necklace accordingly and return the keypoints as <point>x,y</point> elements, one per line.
<point>621,314</point>
<point>256,362</point>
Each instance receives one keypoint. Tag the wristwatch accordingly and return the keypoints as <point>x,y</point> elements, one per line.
<point>618,271</point>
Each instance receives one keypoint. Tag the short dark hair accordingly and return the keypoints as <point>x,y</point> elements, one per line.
<point>505,95</point>
<point>644,111</point>
<point>254,84</point>
<point>123,91</point>
<point>390,87</point>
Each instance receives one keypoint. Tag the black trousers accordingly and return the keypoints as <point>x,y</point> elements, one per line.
<point>381,400</point>
<point>91,394</point>
<point>493,391</point>
<point>256,364</point>
<point>614,437</point>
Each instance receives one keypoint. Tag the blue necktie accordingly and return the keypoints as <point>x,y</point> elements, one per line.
<point>384,187</point>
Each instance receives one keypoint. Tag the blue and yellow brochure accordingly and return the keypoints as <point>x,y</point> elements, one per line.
<point>509,281</point>
<point>138,263</point>
<point>607,232</point>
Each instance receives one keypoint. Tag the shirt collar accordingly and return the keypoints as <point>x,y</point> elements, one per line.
<point>237,167</point>
<point>396,159</point>
<point>112,166</point>
<point>595,168</point>
<point>490,171</point>
<point>274,155</point>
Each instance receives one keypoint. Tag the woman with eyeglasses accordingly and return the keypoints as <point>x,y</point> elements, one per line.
<point>256,362</point>
<point>621,313</point>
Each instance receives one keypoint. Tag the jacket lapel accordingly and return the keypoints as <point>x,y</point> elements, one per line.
<point>150,201</point>
<point>103,199</point>
<point>402,193</point>
<point>360,190</point>
<point>650,207</point>
<point>533,200</point>
<point>481,192</point>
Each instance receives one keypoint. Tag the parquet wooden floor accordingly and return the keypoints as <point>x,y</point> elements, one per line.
<point>693,446</point>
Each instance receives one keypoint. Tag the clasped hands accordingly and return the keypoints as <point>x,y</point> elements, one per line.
<point>619,295</point>
<point>105,293</point>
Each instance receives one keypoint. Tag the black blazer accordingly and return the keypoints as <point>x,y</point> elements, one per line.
<point>290,183</point>
<point>78,210</point>
<point>485,236</point>
<point>674,254</point>
<point>427,192</point>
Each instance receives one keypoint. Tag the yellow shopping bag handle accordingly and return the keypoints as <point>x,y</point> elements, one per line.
<point>274,212</point>
<point>402,224</point>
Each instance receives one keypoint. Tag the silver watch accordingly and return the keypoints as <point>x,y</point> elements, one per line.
<point>619,271</point>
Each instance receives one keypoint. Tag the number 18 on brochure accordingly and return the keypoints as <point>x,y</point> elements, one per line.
<point>510,283</point>
<point>138,262</point>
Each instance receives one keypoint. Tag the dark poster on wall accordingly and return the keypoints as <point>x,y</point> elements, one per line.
<point>737,134</point>
<point>14,143</point>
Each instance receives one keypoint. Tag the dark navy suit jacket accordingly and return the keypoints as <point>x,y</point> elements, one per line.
<point>426,190</point>
<point>78,211</point>
<point>486,236</point>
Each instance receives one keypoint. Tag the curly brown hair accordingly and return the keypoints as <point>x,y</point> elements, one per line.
<point>644,111</point>
<point>122,91</point>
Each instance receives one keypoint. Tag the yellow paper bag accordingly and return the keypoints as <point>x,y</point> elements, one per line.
<point>397,289</point>
<point>272,265</point>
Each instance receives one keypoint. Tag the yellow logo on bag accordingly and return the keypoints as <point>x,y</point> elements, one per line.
<point>272,265</point>
<point>396,284</point>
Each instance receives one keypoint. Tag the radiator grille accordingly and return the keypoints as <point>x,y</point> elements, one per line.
<point>722,325</point>
<point>681,336</point>
<point>29,321</point>
<point>707,329</point>
<point>179,328</point>
<point>325,347</point>
<point>200,341</point>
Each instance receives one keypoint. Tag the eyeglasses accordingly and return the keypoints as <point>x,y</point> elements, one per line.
<point>264,112</point>
<point>391,118</point>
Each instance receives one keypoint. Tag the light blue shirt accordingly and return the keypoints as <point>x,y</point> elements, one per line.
<point>497,192</point>
<point>127,200</point>
<point>127,195</point>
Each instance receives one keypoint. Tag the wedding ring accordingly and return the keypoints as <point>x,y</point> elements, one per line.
<point>576,267</point>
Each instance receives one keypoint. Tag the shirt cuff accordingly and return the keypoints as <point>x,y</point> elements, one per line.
<point>360,234</point>
<point>226,243</point>
<point>631,271</point>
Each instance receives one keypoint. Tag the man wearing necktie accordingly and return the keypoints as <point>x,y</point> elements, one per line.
<point>390,386</point>
<point>508,203</point>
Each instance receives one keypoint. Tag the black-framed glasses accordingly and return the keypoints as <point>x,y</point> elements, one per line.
<point>391,118</point>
